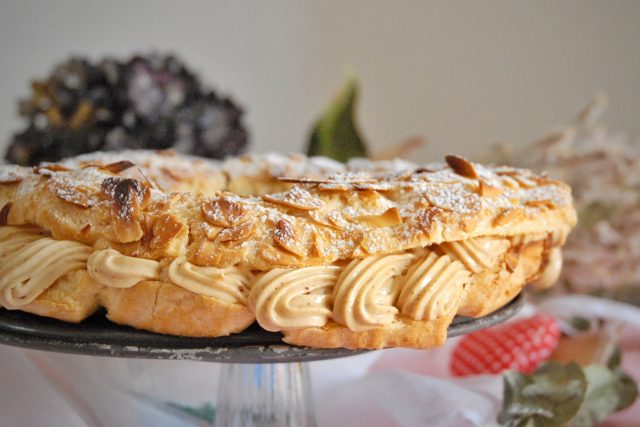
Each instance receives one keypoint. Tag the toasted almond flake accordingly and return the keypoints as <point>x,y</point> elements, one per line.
<point>427,218</point>
<point>454,199</point>
<point>377,186</point>
<point>165,230</point>
<point>285,235</point>
<point>12,174</point>
<point>296,197</point>
<point>52,167</point>
<point>461,166</point>
<point>389,218</point>
<point>511,260</point>
<point>335,186</point>
<point>222,212</point>
<point>469,223</point>
<point>276,256</point>
<point>118,167</point>
<point>539,203</point>
<point>424,170</point>
<point>238,233</point>
<point>74,194</point>
<point>487,190</point>
<point>373,243</point>
<point>4,213</point>
<point>129,196</point>
<point>301,180</point>
<point>506,216</point>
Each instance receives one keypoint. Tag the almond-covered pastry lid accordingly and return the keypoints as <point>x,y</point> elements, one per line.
<point>266,211</point>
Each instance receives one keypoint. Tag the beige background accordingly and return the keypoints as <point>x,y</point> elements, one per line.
<point>465,74</point>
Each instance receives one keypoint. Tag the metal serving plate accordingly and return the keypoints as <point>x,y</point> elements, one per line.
<point>97,336</point>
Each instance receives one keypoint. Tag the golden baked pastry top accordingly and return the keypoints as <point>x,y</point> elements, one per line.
<point>316,220</point>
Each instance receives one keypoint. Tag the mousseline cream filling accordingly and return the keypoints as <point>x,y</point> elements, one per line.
<point>30,263</point>
<point>366,293</point>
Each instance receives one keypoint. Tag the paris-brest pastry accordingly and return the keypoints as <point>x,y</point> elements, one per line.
<point>362,255</point>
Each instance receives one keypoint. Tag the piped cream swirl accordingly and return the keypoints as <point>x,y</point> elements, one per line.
<point>366,291</point>
<point>432,288</point>
<point>226,284</point>
<point>294,298</point>
<point>110,268</point>
<point>31,262</point>
<point>477,254</point>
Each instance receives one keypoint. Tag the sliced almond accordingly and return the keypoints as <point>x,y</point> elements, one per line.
<point>53,167</point>
<point>296,197</point>
<point>525,182</point>
<point>427,219</point>
<point>4,213</point>
<point>377,186</point>
<point>12,174</point>
<point>461,166</point>
<point>222,212</point>
<point>389,218</point>
<point>118,167</point>
<point>285,235</point>
<point>335,186</point>
<point>126,192</point>
<point>164,230</point>
<point>454,199</point>
<point>539,203</point>
<point>238,233</point>
<point>301,180</point>
<point>511,260</point>
<point>374,243</point>
<point>506,216</point>
<point>275,256</point>
<point>71,193</point>
<point>487,190</point>
<point>332,220</point>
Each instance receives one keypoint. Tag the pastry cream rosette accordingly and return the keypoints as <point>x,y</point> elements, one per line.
<point>362,255</point>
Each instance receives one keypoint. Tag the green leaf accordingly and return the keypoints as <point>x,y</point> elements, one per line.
<point>550,397</point>
<point>555,394</point>
<point>627,391</point>
<point>336,134</point>
<point>604,392</point>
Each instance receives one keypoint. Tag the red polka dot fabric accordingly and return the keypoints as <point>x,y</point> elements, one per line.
<point>520,345</point>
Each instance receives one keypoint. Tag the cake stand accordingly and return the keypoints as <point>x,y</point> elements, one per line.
<point>263,382</point>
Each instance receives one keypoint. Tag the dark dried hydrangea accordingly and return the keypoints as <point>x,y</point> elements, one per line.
<point>151,102</point>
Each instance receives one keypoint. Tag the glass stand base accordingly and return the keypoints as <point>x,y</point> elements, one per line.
<point>265,395</point>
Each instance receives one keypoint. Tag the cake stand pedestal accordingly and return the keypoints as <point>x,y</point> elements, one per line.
<point>264,382</point>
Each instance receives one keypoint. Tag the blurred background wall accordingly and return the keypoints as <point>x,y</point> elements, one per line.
<point>465,74</point>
